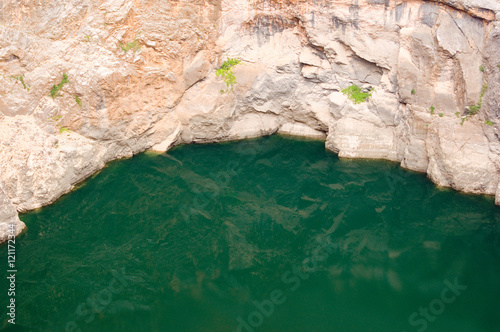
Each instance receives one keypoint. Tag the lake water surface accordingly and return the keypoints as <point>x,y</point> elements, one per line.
<point>272,234</point>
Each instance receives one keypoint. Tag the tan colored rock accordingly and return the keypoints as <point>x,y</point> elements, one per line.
<point>308,57</point>
<point>352,138</point>
<point>10,225</point>
<point>197,69</point>
<point>302,130</point>
<point>461,158</point>
<point>449,36</point>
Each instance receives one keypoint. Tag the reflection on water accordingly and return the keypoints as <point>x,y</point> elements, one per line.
<point>199,238</point>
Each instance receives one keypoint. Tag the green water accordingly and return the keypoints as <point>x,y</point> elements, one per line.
<point>199,238</point>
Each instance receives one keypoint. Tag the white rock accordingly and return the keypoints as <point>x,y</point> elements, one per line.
<point>10,225</point>
<point>308,57</point>
<point>197,69</point>
<point>302,130</point>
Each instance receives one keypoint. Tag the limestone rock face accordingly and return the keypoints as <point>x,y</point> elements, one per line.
<point>9,221</point>
<point>141,75</point>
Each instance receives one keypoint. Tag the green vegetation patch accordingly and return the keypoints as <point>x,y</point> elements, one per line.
<point>484,88</point>
<point>473,109</point>
<point>78,101</point>
<point>63,129</point>
<point>355,94</point>
<point>54,92</point>
<point>20,78</point>
<point>227,74</point>
<point>133,45</point>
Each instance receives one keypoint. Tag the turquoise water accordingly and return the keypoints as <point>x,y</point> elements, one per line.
<point>273,234</point>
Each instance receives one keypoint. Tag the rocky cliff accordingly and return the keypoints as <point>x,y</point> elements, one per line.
<point>84,82</point>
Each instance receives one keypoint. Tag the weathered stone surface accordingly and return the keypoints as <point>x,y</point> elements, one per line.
<point>449,36</point>
<point>301,129</point>
<point>9,221</point>
<point>308,57</point>
<point>352,138</point>
<point>462,159</point>
<point>197,69</point>
<point>142,75</point>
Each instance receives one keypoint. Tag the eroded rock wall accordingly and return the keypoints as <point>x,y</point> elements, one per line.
<point>142,75</point>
